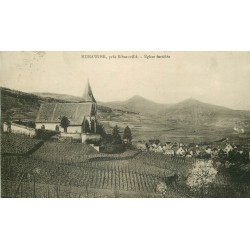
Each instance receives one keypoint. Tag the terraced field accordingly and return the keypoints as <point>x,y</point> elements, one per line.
<point>69,153</point>
<point>113,178</point>
<point>77,170</point>
<point>64,169</point>
<point>18,144</point>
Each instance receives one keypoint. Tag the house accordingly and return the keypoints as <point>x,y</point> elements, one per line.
<point>214,153</point>
<point>228,148</point>
<point>140,145</point>
<point>168,145</point>
<point>180,151</point>
<point>169,152</point>
<point>159,149</point>
<point>175,144</point>
<point>191,151</point>
<point>81,115</point>
<point>208,150</point>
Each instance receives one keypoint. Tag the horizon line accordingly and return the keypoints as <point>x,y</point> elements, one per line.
<point>136,95</point>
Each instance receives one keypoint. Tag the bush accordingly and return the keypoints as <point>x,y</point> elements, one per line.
<point>112,148</point>
<point>96,142</point>
<point>43,134</point>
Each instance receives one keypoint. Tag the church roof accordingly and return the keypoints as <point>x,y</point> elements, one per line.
<point>75,112</point>
<point>88,94</point>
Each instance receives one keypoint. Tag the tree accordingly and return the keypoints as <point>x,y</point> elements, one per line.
<point>201,176</point>
<point>245,156</point>
<point>86,126</point>
<point>127,135</point>
<point>222,155</point>
<point>64,123</point>
<point>100,130</point>
<point>93,126</point>
<point>116,135</point>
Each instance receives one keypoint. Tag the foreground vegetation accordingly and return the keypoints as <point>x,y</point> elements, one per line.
<point>136,176</point>
<point>33,168</point>
<point>18,144</point>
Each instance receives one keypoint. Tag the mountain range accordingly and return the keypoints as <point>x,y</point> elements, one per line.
<point>139,113</point>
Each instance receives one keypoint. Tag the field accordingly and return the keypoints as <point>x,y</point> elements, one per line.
<point>77,170</point>
<point>18,144</point>
<point>58,169</point>
<point>73,153</point>
<point>118,178</point>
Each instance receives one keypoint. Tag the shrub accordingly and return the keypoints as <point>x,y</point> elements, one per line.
<point>112,148</point>
<point>96,142</point>
<point>43,134</point>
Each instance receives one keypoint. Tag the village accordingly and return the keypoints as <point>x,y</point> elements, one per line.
<point>221,149</point>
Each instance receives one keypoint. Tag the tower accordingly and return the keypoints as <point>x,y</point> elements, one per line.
<point>88,97</point>
<point>88,94</point>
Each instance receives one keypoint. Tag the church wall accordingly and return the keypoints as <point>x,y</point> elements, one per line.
<point>52,126</point>
<point>74,129</point>
<point>20,129</point>
<point>49,126</point>
<point>72,135</point>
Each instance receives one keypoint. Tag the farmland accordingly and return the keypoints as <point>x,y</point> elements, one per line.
<point>73,153</point>
<point>66,170</point>
<point>17,144</point>
<point>60,169</point>
<point>115,178</point>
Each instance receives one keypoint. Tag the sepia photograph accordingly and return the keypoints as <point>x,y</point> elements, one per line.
<point>125,124</point>
<point>136,115</point>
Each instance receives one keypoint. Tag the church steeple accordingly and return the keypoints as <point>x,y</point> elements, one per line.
<point>88,94</point>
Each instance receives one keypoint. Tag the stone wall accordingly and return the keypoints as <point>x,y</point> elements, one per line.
<point>20,129</point>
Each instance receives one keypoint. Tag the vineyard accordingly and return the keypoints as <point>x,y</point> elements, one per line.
<point>178,165</point>
<point>30,177</point>
<point>76,170</point>
<point>69,153</point>
<point>18,144</point>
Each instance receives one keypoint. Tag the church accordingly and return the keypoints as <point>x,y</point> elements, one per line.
<point>80,116</point>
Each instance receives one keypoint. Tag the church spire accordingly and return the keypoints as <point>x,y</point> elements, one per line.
<point>88,94</point>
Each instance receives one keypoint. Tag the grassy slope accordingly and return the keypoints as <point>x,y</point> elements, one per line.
<point>20,105</point>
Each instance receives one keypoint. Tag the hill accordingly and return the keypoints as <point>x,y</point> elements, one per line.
<point>20,105</point>
<point>196,113</point>
<point>139,105</point>
<point>69,98</point>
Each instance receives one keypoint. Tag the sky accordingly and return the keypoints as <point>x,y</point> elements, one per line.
<point>221,78</point>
